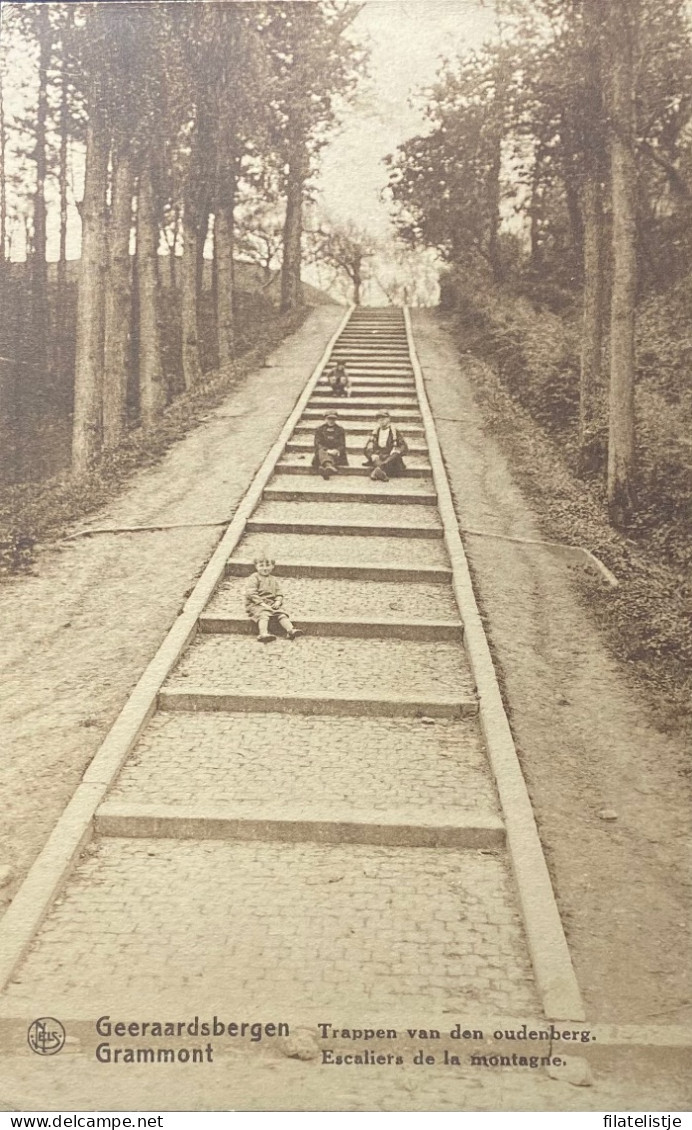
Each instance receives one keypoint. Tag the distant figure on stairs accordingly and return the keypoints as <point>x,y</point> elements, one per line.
<point>339,380</point>
<point>385,449</point>
<point>330,447</point>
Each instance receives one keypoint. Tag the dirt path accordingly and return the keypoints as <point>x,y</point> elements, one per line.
<point>582,730</point>
<point>78,633</point>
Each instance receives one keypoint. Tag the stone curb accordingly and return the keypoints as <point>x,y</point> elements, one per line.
<point>421,630</point>
<point>160,821</point>
<point>346,571</point>
<point>288,494</point>
<point>73,829</point>
<point>342,705</point>
<point>552,964</point>
<point>355,428</point>
<point>334,529</point>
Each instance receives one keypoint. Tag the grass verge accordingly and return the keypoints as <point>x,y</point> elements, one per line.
<point>646,620</point>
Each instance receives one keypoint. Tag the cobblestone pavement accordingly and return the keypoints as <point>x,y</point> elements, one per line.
<point>383,600</point>
<point>306,930</point>
<point>364,485</point>
<point>342,513</point>
<point>325,765</point>
<point>315,665</point>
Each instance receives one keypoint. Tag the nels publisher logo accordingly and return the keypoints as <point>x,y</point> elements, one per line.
<point>46,1036</point>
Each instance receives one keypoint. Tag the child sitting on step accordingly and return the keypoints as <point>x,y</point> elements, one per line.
<point>385,449</point>
<point>264,601</point>
<point>339,380</point>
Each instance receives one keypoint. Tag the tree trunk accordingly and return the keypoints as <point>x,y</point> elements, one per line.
<point>118,306</point>
<point>536,213</point>
<point>574,212</point>
<point>86,435</point>
<point>192,368</point>
<point>173,260</point>
<point>223,247</point>
<point>152,391</point>
<point>357,282</point>
<point>622,25</point>
<point>591,413</point>
<point>3,179</point>
<point>291,288</point>
<point>494,201</point>
<point>62,178</point>
<point>39,267</point>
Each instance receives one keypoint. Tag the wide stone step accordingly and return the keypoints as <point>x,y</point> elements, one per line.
<point>380,369</point>
<point>338,598</point>
<point>373,384</point>
<point>211,624</point>
<point>285,488</point>
<point>355,443</point>
<point>290,565</point>
<point>356,427</point>
<point>364,412</point>
<point>381,515</point>
<point>409,492</point>
<point>383,392</point>
<point>372,548</point>
<point>325,668</point>
<point>305,933</point>
<point>295,464</point>
<point>371,359</point>
<point>395,400</point>
<point>272,823</point>
<point>370,353</point>
<point>417,768</point>
<point>376,342</point>
<point>338,529</point>
<point>195,698</point>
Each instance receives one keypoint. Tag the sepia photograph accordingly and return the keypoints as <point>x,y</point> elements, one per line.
<point>345,559</point>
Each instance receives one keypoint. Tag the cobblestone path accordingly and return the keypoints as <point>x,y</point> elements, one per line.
<point>307,831</point>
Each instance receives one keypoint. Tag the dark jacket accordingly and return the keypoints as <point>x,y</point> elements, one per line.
<point>333,438</point>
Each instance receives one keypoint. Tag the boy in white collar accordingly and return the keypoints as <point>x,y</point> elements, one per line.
<point>384,450</point>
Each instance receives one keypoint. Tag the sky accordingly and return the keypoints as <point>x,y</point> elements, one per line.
<point>408,39</point>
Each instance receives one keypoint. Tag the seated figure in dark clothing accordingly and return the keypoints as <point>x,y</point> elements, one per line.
<point>384,450</point>
<point>330,447</point>
<point>339,381</point>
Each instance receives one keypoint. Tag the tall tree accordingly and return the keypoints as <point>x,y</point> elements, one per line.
<point>622,27</point>
<point>152,389</point>
<point>446,184</point>
<point>595,179</point>
<point>347,249</point>
<point>315,63</point>
<point>39,264</point>
<point>88,395</point>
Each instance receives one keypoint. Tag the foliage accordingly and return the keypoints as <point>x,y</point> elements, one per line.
<point>33,512</point>
<point>184,116</point>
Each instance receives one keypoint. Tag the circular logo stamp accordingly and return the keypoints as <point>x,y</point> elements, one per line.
<point>46,1036</point>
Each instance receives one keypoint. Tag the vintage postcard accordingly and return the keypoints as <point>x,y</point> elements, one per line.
<point>345,555</point>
